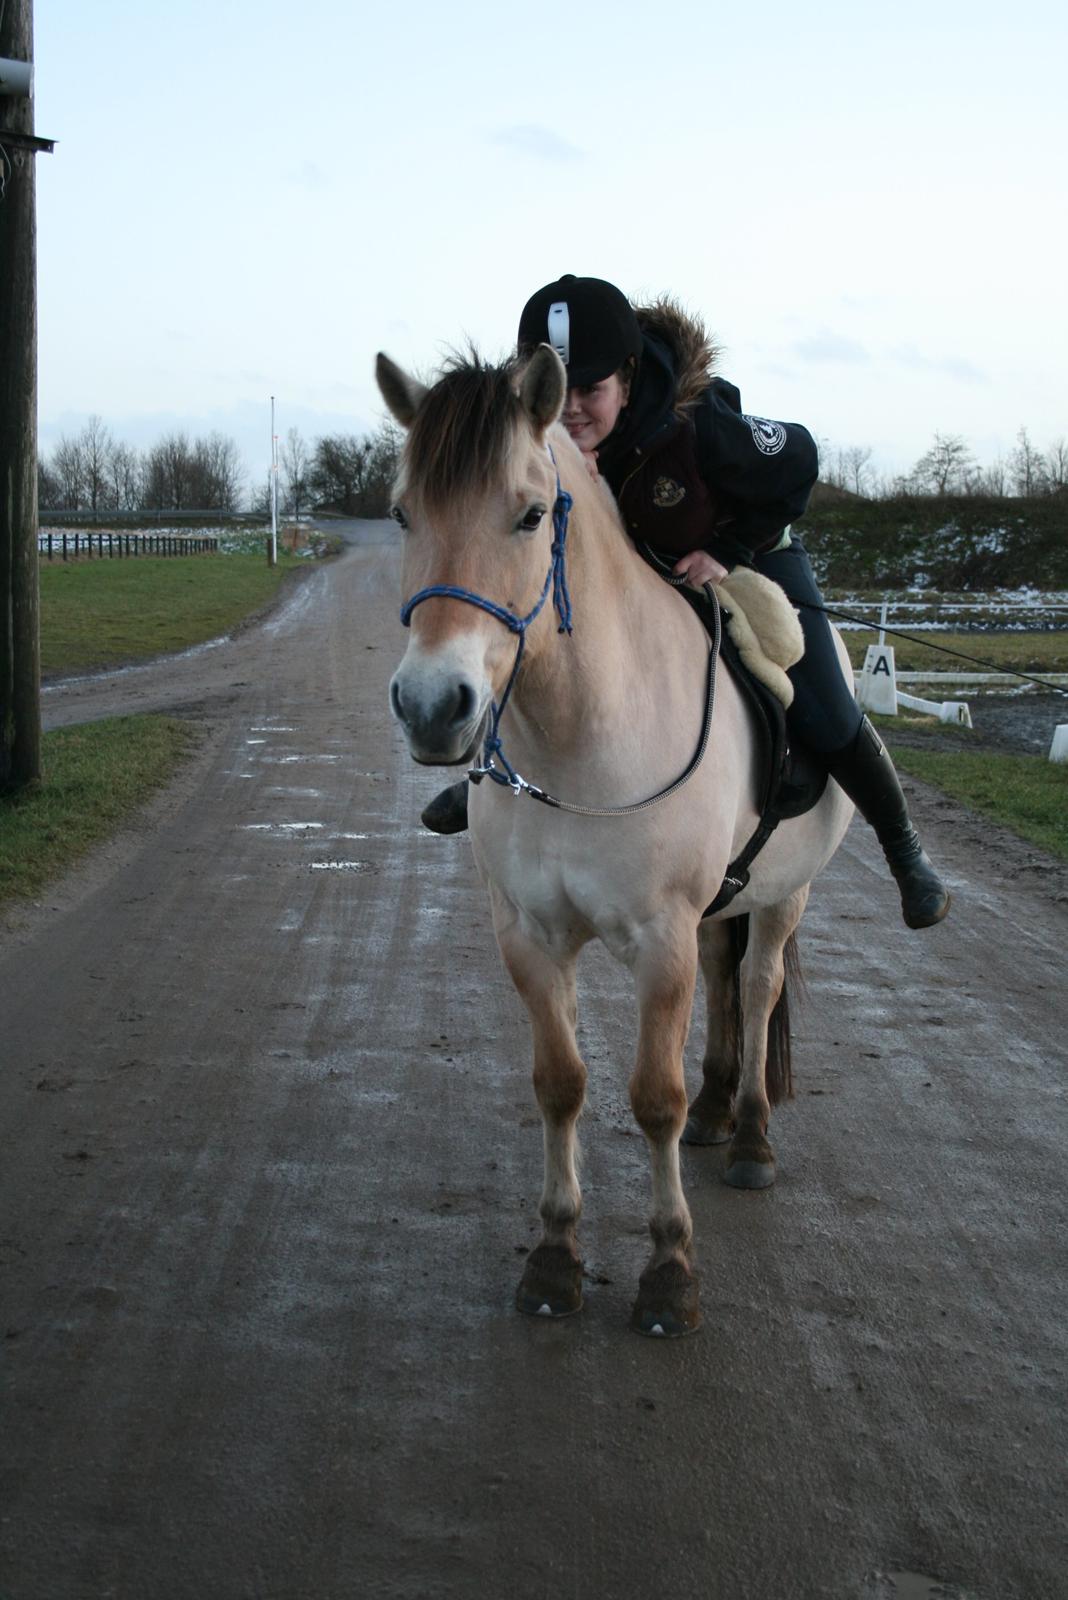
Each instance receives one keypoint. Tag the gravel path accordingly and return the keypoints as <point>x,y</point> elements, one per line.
<point>272,1160</point>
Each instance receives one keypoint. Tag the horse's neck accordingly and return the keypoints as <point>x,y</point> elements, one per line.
<point>635,649</point>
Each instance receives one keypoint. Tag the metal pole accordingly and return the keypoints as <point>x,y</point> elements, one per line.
<point>273,557</point>
<point>882,621</point>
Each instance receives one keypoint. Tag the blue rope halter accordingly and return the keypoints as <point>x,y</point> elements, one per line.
<point>556,579</point>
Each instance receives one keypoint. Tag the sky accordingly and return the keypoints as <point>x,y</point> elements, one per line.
<point>865,205</point>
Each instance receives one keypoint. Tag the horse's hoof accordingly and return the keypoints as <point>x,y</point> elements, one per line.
<point>750,1174</point>
<point>668,1305</point>
<point>551,1285</point>
<point>704,1133</point>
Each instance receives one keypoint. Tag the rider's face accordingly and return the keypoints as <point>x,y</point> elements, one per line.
<point>590,413</point>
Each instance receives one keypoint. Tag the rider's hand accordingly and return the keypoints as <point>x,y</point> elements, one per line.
<point>589,458</point>
<point>699,567</point>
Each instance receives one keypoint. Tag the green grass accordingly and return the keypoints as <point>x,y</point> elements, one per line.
<point>1028,794</point>
<point>1024,652</point>
<point>94,777</point>
<point>107,613</point>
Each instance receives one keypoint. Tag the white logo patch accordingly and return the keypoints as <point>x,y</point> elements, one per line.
<point>769,437</point>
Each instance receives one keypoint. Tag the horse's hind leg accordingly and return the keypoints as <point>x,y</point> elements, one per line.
<point>711,1116</point>
<point>551,1284</point>
<point>667,1300</point>
<point>765,1073</point>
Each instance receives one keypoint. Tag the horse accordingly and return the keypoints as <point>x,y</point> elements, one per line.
<point>606,711</point>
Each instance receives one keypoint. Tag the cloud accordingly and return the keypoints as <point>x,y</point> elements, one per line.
<point>531,139</point>
<point>957,367</point>
<point>828,346</point>
<point>307,175</point>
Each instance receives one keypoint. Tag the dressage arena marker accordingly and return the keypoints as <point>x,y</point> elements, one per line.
<point>1058,750</point>
<point>877,690</point>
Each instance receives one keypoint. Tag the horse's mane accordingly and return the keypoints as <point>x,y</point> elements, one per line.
<point>464,428</point>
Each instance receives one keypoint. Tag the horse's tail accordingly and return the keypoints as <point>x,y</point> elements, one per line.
<point>778,1076</point>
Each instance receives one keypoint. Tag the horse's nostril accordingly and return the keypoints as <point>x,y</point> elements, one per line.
<point>465,704</point>
<point>395,700</point>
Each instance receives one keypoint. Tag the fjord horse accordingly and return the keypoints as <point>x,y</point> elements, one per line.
<point>491,494</point>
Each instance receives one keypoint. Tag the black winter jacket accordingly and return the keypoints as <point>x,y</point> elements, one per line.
<point>689,469</point>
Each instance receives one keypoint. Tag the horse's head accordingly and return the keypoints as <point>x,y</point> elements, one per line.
<point>474,497</point>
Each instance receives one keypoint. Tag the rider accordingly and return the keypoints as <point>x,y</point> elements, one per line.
<point>710,486</point>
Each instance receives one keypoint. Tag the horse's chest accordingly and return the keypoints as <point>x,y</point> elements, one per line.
<point>564,898</point>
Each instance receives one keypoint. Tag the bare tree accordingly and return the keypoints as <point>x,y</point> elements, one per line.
<point>124,477</point>
<point>170,472</point>
<point>49,493</point>
<point>1027,466</point>
<point>945,467</point>
<point>96,445</point>
<point>69,473</point>
<point>382,469</point>
<point>295,466</point>
<point>1057,464</point>
<point>216,473</point>
<point>260,497</point>
<point>995,478</point>
<point>339,471</point>
<point>856,468</point>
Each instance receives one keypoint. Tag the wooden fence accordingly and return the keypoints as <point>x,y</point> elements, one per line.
<point>76,544</point>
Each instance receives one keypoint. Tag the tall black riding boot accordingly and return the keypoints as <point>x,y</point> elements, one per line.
<point>866,773</point>
<point>447,812</point>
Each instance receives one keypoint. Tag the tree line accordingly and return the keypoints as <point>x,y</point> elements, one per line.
<point>352,473</point>
<point>345,472</point>
<point>948,467</point>
<point>94,472</point>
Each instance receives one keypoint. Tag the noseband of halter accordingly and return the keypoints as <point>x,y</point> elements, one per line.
<point>556,579</point>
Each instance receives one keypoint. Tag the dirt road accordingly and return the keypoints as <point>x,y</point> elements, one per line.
<point>271,1160</point>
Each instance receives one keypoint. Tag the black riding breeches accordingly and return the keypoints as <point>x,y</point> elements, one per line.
<point>824,714</point>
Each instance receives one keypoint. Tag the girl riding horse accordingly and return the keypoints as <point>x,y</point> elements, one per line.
<point>707,487</point>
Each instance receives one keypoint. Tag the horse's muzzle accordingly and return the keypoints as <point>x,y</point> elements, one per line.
<point>442,720</point>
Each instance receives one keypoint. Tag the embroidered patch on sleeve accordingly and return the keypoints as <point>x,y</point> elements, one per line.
<point>769,437</point>
<point>667,493</point>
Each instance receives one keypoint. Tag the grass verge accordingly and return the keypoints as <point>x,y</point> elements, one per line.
<point>95,776</point>
<point>106,613</point>
<point>1021,652</point>
<point>1028,794</point>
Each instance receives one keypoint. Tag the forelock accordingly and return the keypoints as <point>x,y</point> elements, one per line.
<point>464,430</point>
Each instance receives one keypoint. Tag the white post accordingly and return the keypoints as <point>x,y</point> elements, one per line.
<point>877,684</point>
<point>1058,750</point>
<point>882,622</point>
<point>274,490</point>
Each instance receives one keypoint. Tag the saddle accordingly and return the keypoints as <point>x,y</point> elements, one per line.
<point>791,778</point>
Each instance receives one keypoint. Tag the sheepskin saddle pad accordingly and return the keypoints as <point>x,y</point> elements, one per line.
<point>764,628</point>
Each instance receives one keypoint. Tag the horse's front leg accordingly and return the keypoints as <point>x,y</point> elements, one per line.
<point>666,971</point>
<point>551,1284</point>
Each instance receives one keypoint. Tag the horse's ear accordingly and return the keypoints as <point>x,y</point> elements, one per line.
<point>542,388</point>
<point>402,394</point>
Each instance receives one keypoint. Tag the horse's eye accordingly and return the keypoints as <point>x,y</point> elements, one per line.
<point>532,518</point>
<point>398,516</point>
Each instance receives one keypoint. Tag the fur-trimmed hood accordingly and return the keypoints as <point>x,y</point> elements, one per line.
<point>677,366</point>
<point>695,353</point>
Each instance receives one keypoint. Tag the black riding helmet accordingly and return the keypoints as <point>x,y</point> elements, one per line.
<point>589,323</point>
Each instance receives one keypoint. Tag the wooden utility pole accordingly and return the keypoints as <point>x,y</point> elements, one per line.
<point>20,655</point>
